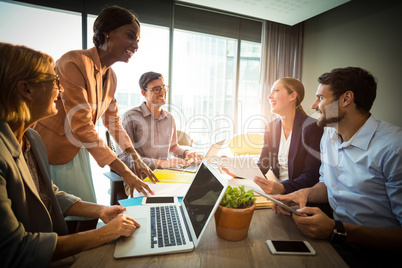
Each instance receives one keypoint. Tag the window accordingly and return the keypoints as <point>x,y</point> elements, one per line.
<point>249,117</point>
<point>203,86</point>
<point>52,33</point>
<point>215,75</point>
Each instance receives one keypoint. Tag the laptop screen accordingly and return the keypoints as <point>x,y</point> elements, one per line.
<point>202,197</point>
<point>214,150</point>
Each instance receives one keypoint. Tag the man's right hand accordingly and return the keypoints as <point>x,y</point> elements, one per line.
<point>296,198</point>
<point>173,162</point>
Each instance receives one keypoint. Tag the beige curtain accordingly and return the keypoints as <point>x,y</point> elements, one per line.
<point>281,56</point>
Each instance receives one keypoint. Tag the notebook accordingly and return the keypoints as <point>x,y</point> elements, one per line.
<point>193,215</point>
<point>209,156</point>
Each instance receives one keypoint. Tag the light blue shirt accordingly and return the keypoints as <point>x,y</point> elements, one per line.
<point>364,175</point>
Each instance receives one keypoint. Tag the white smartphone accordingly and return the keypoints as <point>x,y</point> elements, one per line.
<point>150,200</point>
<point>290,247</point>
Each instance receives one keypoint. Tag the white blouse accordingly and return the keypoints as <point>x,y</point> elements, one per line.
<point>283,156</point>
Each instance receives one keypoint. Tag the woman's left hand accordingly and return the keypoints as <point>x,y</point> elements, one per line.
<point>269,187</point>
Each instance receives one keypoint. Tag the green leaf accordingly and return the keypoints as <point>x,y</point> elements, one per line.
<point>237,197</point>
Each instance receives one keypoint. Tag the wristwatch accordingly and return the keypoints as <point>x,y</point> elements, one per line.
<point>339,234</point>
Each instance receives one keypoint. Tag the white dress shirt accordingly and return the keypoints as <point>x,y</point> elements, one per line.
<point>283,156</point>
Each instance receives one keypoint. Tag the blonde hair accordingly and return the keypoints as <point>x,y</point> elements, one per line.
<point>18,63</point>
<point>294,85</point>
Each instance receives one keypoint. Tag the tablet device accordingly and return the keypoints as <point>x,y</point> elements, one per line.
<point>288,247</point>
<point>150,200</point>
<point>279,203</point>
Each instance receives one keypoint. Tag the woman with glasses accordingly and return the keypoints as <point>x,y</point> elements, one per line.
<point>32,209</point>
<point>89,85</point>
<point>291,142</point>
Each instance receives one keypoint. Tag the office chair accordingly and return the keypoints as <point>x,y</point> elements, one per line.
<point>248,143</point>
<point>184,139</point>
<point>116,181</point>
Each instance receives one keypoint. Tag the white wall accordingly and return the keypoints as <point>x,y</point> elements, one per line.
<point>361,33</point>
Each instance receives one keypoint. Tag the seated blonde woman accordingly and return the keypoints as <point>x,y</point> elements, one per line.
<point>291,142</point>
<point>32,209</point>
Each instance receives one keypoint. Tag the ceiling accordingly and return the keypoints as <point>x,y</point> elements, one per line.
<point>289,12</point>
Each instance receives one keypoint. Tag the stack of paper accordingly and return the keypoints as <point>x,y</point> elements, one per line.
<point>262,202</point>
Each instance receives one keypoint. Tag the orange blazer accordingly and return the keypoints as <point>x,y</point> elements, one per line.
<point>82,103</point>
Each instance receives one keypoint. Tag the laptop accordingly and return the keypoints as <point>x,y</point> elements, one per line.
<point>209,156</point>
<point>193,215</point>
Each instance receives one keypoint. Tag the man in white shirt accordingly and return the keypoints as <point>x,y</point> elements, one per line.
<point>360,173</point>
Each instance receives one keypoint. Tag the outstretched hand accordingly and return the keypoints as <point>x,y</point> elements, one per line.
<point>269,187</point>
<point>141,167</point>
<point>136,184</point>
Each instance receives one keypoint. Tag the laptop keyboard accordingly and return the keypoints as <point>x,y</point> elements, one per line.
<point>166,227</point>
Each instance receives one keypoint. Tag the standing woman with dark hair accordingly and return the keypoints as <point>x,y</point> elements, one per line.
<point>89,85</point>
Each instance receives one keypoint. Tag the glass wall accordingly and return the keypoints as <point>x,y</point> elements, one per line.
<point>203,86</point>
<point>249,118</point>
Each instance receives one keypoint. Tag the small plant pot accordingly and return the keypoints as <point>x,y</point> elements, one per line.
<point>232,223</point>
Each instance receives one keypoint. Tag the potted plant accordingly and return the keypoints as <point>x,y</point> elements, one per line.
<point>233,216</point>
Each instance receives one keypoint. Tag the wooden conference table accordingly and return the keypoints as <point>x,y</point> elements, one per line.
<point>213,251</point>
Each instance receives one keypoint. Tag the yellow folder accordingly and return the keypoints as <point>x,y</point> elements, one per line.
<point>172,176</point>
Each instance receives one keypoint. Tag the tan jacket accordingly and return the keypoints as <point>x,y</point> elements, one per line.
<point>80,107</point>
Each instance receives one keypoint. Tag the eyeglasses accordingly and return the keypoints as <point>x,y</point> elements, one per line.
<point>157,90</point>
<point>55,78</point>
